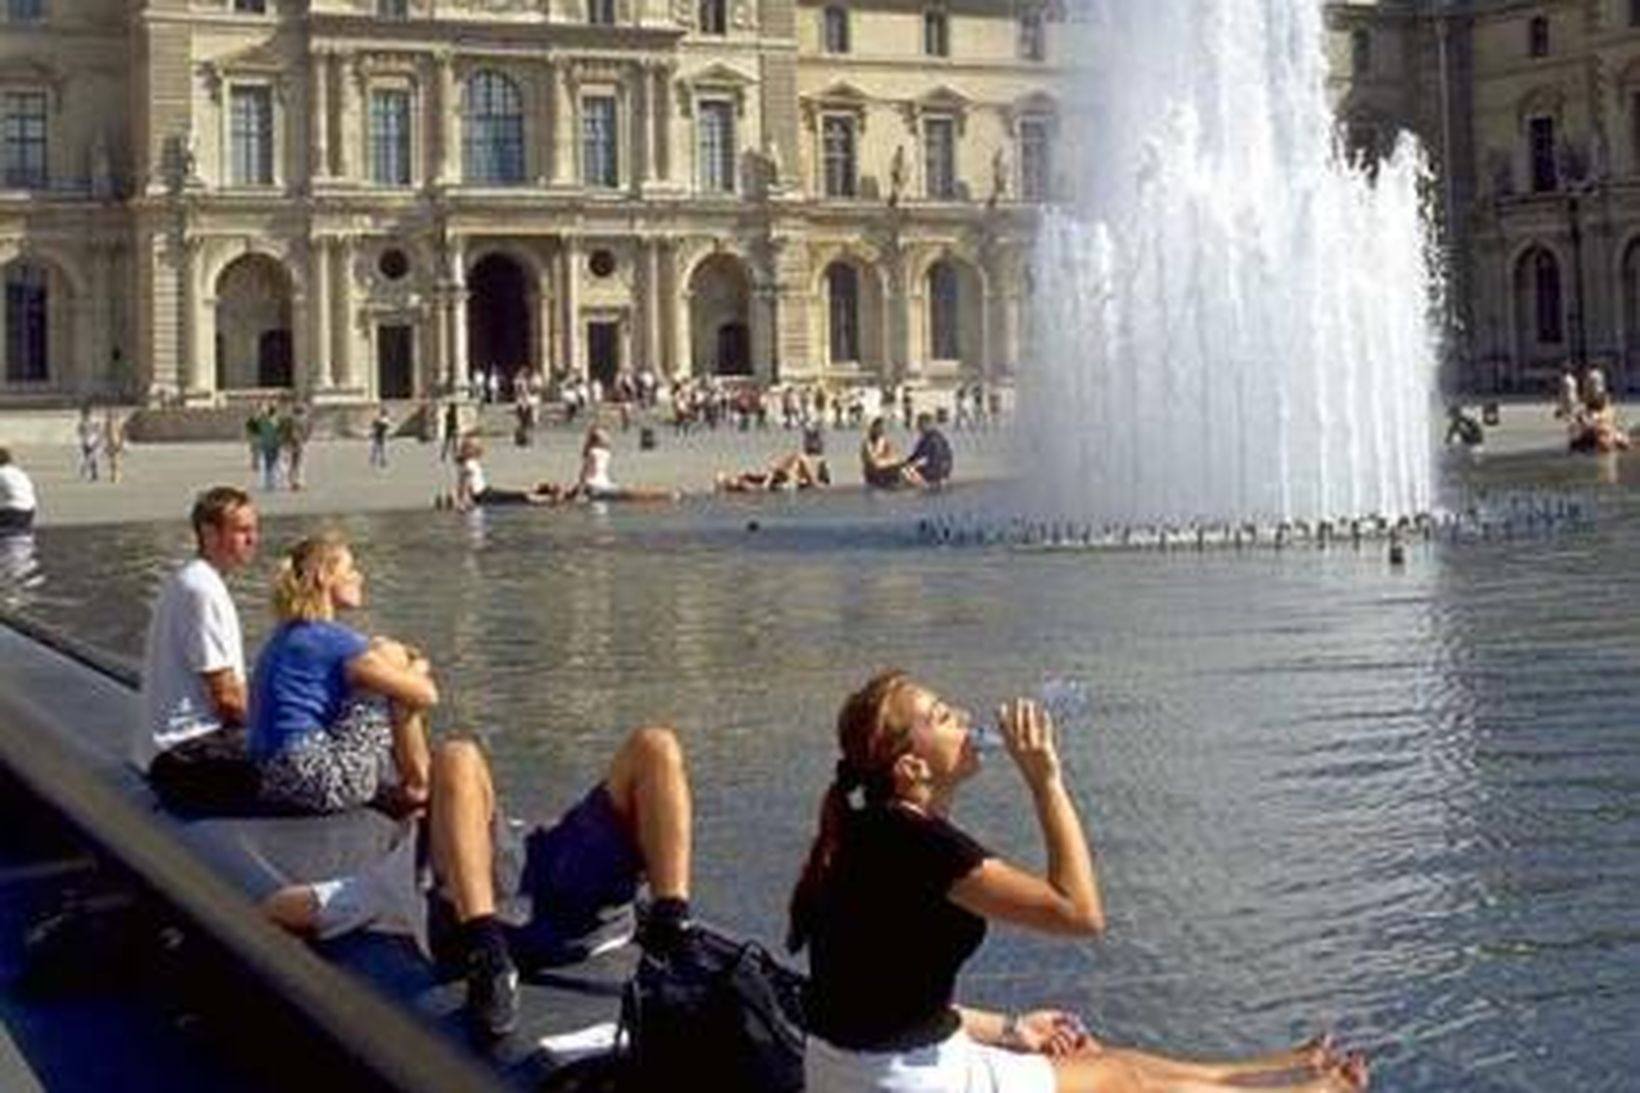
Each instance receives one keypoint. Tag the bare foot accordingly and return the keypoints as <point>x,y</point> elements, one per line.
<point>1319,1052</point>
<point>1350,1075</point>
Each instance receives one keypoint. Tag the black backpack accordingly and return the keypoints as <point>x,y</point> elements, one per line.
<point>719,1014</point>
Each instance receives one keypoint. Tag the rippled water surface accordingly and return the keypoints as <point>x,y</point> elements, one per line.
<point>1406,803</point>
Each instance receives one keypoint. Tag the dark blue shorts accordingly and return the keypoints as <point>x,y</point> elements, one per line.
<point>565,890</point>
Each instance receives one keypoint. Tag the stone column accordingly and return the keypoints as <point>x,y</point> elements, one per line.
<point>683,349</point>
<point>197,363</point>
<point>544,322</point>
<point>661,101</point>
<point>656,303</point>
<point>323,366</point>
<point>570,259</point>
<point>458,314</point>
<point>446,170</point>
<point>349,363</point>
<point>319,115</point>
<point>348,130</point>
<point>563,125</point>
<point>987,301</point>
<point>643,107</point>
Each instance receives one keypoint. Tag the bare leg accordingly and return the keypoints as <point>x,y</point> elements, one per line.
<point>463,805</point>
<point>1117,1070</point>
<point>650,789</point>
<point>1314,1056</point>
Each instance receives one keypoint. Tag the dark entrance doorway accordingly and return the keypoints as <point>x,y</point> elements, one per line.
<point>604,352</point>
<point>395,361</point>
<point>273,361</point>
<point>498,319</point>
<point>734,350</point>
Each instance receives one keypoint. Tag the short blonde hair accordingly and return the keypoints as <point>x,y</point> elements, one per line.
<point>301,585</point>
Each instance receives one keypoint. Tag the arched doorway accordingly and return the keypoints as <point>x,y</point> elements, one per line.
<point>1540,318</point>
<point>29,308</point>
<point>720,294</point>
<point>954,307</point>
<point>499,325</point>
<point>253,316</point>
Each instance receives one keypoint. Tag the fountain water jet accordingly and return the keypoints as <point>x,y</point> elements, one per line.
<point>1235,323</point>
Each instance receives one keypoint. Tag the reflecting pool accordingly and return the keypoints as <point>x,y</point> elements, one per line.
<point>1405,802</point>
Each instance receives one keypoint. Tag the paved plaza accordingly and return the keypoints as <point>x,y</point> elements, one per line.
<point>158,480</point>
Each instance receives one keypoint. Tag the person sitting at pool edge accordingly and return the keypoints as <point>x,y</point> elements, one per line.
<point>507,897</point>
<point>337,720</point>
<point>880,466</point>
<point>894,899</point>
<point>930,462</point>
<point>473,488</point>
<point>794,470</point>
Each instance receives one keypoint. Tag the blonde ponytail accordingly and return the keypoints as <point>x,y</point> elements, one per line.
<point>301,584</point>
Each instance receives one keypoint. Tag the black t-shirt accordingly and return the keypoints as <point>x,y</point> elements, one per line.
<point>933,456</point>
<point>888,942</point>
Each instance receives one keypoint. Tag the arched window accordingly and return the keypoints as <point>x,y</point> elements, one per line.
<point>1546,297</point>
<point>843,293</point>
<point>943,298</point>
<point>493,142</point>
<point>27,357</point>
<point>714,17</point>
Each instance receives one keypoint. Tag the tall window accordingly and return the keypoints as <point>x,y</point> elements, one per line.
<point>1546,297</point>
<point>23,138</point>
<point>393,9</point>
<point>1537,36</point>
<point>714,17</point>
<point>843,311</point>
<point>940,158</point>
<point>837,150</point>
<point>26,359</point>
<point>936,34</point>
<point>600,163</point>
<point>390,137</point>
<point>943,298</point>
<point>1035,163</point>
<point>25,11</point>
<point>1542,137</point>
<point>1033,43</point>
<point>493,139</point>
<point>250,136</point>
<point>1361,52</point>
<point>716,151</point>
<point>601,12</point>
<point>835,24</point>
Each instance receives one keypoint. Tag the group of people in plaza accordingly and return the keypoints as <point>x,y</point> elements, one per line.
<point>101,443</point>
<point>893,900</point>
<point>278,435</point>
<point>1589,412</point>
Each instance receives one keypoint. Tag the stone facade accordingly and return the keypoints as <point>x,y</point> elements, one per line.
<point>364,199</point>
<point>1532,111</point>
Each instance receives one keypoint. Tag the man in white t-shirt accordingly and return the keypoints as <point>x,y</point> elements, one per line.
<point>17,500</point>
<point>193,668</point>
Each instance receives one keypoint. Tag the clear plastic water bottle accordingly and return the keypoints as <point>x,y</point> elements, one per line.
<point>1065,700</point>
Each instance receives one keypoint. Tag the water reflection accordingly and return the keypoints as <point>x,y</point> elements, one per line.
<point>1321,788</point>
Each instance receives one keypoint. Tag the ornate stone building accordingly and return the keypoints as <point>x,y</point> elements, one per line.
<point>363,199</point>
<point>1532,110</point>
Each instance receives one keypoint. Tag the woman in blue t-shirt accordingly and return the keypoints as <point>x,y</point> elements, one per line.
<point>337,719</point>
<point>894,899</point>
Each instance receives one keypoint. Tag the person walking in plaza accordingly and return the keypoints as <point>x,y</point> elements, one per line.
<point>337,719</point>
<point>89,434</point>
<point>267,446</point>
<point>294,431</point>
<point>451,439</point>
<point>895,898</point>
<point>193,662</point>
<point>17,497</point>
<point>380,426</point>
<point>113,442</point>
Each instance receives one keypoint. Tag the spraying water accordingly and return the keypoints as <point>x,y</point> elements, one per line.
<point>1235,323</point>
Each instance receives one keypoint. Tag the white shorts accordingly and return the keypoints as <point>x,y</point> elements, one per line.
<point>956,1064</point>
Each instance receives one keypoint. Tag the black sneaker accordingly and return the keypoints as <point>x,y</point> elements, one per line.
<point>492,992</point>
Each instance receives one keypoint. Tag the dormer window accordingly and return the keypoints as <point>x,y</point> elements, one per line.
<point>936,34</point>
<point>1033,45</point>
<point>835,29</point>
<point>250,7</point>
<point>714,17</point>
<point>601,12</point>
<point>1537,36</point>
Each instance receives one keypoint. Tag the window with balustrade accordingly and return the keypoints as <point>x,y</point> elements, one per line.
<point>600,147</point>
<point>250,135</point>
<point>493,131</point>
<point>23,139</point>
